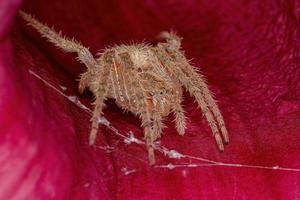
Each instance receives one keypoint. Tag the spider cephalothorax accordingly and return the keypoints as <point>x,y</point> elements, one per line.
<point>146,80</point>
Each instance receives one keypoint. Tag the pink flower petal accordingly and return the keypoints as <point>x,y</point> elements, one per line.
<point>249,52</point>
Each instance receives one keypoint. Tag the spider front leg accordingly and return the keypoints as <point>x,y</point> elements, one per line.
<point>149,137</point>
<point>151,121</point>
<point>179,114</point>
<point>99,104</point>
<point>85,56</point>
<point>197,87</point>
<point>177,65</point>
<point>101,92</point>
<point>152,124</point>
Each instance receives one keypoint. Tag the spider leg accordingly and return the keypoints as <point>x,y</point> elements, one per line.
<point>197,81</point>
<point>151,122</point>
<point>208,107</point>
<point>179,115</point>
<point>101,95</point>
<point>99,104</point>
<point>209,116</point>
<point>152,131</point>
<point>197,87</point>
<point>156,116</point>
<point>149,136</point>
<point>67,45</point>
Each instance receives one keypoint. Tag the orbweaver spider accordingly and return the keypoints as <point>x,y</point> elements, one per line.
<point>146,80</point>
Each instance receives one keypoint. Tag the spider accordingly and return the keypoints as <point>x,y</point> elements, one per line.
<point>143,79</point>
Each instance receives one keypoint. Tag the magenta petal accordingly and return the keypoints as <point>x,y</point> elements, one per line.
<point>249,53</point>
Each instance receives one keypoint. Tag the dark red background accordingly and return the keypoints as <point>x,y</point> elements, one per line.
<point>249,52</point>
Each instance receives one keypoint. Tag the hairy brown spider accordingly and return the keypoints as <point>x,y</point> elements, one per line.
<point>146,80</point>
